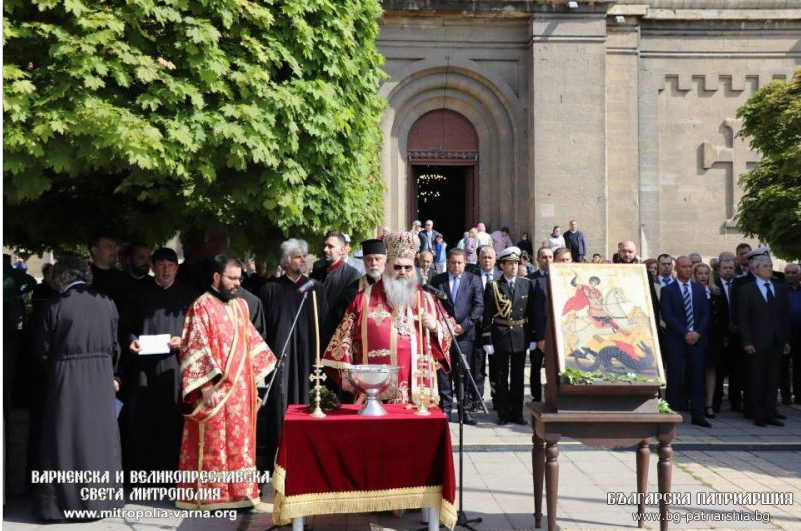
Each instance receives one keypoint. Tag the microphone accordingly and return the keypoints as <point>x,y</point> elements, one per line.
<point>309,284</point>
<point>436,292</point>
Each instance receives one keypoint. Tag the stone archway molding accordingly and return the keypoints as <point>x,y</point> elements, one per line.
<point>488,103</point>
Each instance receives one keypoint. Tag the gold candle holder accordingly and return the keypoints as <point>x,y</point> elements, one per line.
<point>419,394</point>
<point>317,376</point>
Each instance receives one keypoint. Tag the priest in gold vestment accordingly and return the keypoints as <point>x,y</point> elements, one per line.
<point>391,322</point>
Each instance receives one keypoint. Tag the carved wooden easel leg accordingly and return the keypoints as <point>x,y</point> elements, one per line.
<point>551,480</point>
<point>538,464</point>
<point>643,455</point>
<point>664,472</point>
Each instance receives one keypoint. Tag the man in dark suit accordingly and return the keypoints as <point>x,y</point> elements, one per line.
<point>762,317</point>
<point>428,237</point>
<point>627,254</point>
<point>740,384</point>
<point>536,355</point>
<point>685,310</point>
<point>424,270</point>
<point>465,303</point>
<point>732,351</point>
<point>792,275</point>
<point>574,240</point>
<point>511,307</point>
<point>486,272</point>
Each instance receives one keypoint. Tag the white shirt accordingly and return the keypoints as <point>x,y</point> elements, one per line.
<point>483,239</point>
<point>73,284</point>
<point>762,288</point>
<point>555,242</point>
<point>452,281</point>
<point>727,288</point>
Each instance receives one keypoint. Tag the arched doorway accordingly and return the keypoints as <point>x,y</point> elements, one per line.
<point>443,168</point>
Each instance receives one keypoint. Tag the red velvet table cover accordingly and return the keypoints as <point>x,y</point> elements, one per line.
<point>348,463</point>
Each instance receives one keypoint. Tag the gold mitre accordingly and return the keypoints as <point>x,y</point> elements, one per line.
<point>401,244</point>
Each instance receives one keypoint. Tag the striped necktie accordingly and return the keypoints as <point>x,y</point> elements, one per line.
<point>688,306</point>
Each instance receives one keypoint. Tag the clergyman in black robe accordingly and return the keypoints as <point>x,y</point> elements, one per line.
<point>152,424</point>
<point>336,275</point>
<point>106,278</point>
<point>76,339</point>
<point>281,300</point>
<point>374,257</point>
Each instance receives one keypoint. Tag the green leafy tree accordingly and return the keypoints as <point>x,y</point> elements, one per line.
<point>771,205</point>
<point>152,116</point>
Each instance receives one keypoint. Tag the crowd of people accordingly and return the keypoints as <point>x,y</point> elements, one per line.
<point>731,320</point>
<point>188,349</point>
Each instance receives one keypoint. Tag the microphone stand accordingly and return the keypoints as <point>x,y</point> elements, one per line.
<point>278,365</point>
<point>463,369</point>
<point>283,350</point>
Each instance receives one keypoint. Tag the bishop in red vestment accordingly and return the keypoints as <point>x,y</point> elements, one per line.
<point>222,357</point>
<point>391,322</point>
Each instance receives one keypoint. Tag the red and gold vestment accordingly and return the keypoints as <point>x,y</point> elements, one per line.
<point>222,349</point>
<point>372,333</point>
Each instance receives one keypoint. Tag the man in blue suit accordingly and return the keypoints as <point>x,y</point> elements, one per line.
<point>465,303</point>
<point>685,310</point>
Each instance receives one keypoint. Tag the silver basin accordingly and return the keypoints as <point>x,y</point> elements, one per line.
<point>372,380</point>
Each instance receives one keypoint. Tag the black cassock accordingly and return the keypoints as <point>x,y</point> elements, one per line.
<point>151,423</point>
<point>291,386</point>
<point>111,282</point>
<point>76,339</point>
<point>256,311</point>
<point>336,284</point>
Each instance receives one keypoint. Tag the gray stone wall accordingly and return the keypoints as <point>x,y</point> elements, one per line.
<point>618,114</point>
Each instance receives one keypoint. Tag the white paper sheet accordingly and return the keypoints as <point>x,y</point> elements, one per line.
<point>158,344</point>
<point>117,407</point>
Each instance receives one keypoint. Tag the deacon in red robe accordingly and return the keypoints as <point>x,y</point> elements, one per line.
<point>391,322</point>
<point>222,357</point>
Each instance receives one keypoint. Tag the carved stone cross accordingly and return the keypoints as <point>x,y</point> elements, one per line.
<point>736,153</point>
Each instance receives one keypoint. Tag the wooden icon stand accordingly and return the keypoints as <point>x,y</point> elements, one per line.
<point>609,415</point>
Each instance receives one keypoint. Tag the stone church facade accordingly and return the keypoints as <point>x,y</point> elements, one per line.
<point>619,114</point>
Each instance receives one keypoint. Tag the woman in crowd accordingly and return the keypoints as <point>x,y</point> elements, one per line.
<point>470,246</point>
<point>555,240</point>
<point>718,321</point>
<point>652,266</point>
<point>440,256</point>
<point>525,244</point>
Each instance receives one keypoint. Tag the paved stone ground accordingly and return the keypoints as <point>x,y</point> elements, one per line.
<point>733,456</point>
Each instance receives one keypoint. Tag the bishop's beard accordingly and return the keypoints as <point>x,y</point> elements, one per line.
<point>401,292</point>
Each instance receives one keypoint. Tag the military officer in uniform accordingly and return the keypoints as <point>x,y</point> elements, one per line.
<point>511,307</point>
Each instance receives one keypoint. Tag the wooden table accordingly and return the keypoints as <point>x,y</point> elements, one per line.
<point>605,429</point>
